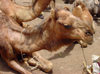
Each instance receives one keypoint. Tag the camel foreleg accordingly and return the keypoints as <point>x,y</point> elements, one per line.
<point>42,63</point>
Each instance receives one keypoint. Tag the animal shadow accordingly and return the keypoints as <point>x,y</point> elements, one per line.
<point>63,54</point>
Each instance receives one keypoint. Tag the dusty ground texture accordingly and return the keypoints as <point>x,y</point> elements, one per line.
<point>65,61</point>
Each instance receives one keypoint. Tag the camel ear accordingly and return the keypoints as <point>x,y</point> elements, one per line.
<point>53,13</point>
<point>77,11</point>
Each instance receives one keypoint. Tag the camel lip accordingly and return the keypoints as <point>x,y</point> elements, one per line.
<point>83,44</point>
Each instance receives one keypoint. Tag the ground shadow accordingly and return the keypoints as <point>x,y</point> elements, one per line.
<point>64,53</point>
<point>51,72</point>
<point>5,68</point>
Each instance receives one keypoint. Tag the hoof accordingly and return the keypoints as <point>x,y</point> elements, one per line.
<point>47,68</point>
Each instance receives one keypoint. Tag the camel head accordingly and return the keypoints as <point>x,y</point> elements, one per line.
<point>72,27</point>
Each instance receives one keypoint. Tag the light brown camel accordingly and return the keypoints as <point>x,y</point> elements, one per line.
<point>60,28</point>
<point>23,13</point>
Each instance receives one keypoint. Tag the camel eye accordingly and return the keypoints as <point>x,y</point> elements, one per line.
<point>68,26</point>
<point>88,33</point>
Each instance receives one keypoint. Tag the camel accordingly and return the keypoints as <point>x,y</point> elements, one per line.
<point>23,13</point>
<point>62,25</point>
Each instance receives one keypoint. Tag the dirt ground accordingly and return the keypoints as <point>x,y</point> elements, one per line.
<point>66,60</point>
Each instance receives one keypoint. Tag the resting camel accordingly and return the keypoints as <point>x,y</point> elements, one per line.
<point>59,29</point>
<point>23,13</point>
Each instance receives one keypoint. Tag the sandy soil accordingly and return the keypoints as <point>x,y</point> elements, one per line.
<point>66,60</point>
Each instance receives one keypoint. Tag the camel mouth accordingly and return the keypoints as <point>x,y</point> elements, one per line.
<point>86,39</point>
<point>84,44</point>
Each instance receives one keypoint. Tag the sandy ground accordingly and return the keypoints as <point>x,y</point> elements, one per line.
<point>66,60</point>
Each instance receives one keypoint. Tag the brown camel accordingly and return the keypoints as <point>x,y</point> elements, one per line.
<point>23,13</point>
<point>60,28</point>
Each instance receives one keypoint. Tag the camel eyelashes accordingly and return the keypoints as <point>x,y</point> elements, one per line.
<point>68,26</point>
<point>88,33</point>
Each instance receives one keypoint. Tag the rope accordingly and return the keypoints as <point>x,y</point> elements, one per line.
<point>84,56</point>
<point>85,62</point>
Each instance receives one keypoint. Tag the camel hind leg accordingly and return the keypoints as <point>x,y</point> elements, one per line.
<point>8,55</point>
<point>14,65</point>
